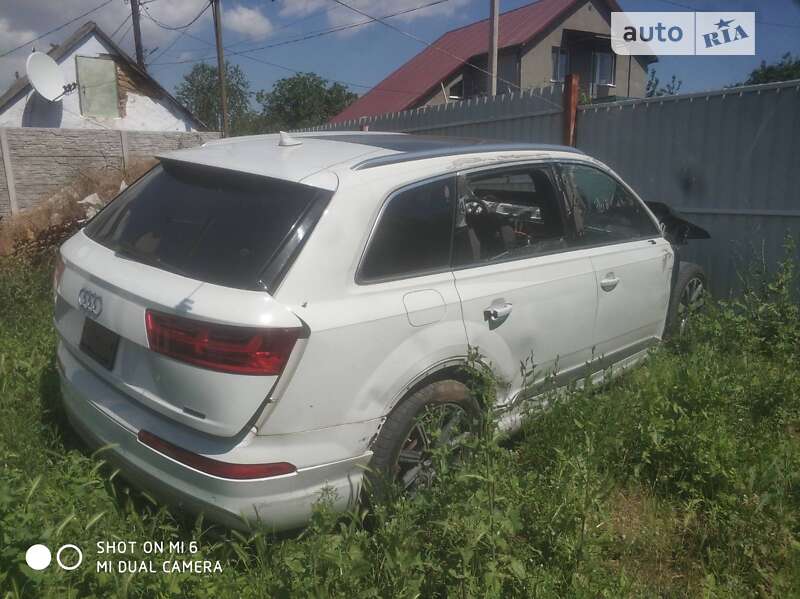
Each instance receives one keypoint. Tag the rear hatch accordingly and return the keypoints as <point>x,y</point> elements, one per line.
<point>165,293</point>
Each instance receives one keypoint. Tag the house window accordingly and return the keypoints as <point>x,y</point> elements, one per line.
<point>97,86</point>
<point>456,90</point>
<point>560,64</point>
<point>604,66</point>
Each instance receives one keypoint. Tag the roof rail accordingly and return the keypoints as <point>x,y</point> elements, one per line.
<point>401,157</point>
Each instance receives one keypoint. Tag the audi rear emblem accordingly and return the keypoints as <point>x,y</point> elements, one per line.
<point>90,303</point>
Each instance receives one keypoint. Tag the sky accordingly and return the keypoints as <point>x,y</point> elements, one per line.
<point>358,56</point>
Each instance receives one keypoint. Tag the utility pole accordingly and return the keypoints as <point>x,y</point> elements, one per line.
<point>223,99</point>
<point>494,17</point>
<point>137,34</point>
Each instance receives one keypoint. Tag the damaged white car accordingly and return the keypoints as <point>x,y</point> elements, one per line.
<point>260,318</point>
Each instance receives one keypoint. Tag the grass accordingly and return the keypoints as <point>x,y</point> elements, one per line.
<point>679,479</point>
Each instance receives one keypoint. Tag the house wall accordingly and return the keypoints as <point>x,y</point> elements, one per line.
<point>476,80</point>
<point>531,65</point>
<point>143,108</point>
<point>536,65</point>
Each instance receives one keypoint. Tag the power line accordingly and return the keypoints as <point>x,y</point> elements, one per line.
<point>350,83</point>
<point>287,25</point>
<point>171,27</point>
<point>180,36</point>
<point>422,41</point>
<point>36,39</point>
<point>308,36</point>
<point>120,26</point>
<point>759,21</point>
<point>127,31</point>
<point>296,71</point>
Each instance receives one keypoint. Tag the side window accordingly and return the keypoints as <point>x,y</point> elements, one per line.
<point>413,233</point>
<point>604,210</point>
<point>507,214</point>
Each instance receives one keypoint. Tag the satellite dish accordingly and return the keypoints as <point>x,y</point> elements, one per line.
<point>45,76</point>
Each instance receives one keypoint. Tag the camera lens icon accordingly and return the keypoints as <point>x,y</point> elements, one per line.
<point>38,557</point>
<point>74,548</point>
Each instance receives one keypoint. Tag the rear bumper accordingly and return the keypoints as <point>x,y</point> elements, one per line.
<point>105,417</point>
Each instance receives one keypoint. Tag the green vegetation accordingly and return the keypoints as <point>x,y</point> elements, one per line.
<point>785,69</point>
<point>654,89</point>
<point>302,100</point>
<point>681,478</point>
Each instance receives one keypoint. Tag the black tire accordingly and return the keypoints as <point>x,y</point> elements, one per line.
<point>404,430</point>
<point>688,297</point>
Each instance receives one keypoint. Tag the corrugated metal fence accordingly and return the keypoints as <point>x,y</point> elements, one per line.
<point>729,159</point>
<point>533,114</point>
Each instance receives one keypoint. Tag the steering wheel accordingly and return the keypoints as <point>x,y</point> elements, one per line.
<point>476,207</point>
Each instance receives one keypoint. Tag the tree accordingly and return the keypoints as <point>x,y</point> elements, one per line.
<point>199,92</point>
<point>785,69</point>
<point>303,100</point>
<point>652,88</point>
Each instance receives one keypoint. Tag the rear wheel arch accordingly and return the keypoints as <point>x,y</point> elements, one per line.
<point>455,369</point>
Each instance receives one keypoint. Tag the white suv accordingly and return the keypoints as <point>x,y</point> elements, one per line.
<point>260,318</point>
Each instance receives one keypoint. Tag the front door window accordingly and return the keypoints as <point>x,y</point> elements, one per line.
<point>507,215</point>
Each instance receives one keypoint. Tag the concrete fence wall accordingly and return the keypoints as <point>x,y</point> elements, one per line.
<point>35,163</point>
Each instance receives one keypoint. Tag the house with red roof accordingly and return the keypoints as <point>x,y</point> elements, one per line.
<point>539,44</point>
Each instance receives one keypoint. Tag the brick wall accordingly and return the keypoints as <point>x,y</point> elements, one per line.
<point>44,160</point>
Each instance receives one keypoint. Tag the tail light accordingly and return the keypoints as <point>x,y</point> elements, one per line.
<point>58,271</point>
<point>211,466</point>
<point>225,348</point>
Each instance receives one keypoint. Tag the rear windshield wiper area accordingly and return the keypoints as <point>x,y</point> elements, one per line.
<point>130,252</point>
<point>209,224</point>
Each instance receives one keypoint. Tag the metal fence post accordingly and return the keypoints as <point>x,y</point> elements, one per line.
<point>570,108</point>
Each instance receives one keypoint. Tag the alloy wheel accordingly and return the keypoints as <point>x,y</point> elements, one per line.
<point>692,301</point>
<point>436,438</point>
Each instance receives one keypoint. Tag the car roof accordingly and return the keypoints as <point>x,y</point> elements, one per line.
<point>300,156</point>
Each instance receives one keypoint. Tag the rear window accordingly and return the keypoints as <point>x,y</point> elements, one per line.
<point>210,224</point>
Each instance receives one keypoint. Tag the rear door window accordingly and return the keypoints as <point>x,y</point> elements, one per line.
<point>214,225</point>
<point>413,232</point>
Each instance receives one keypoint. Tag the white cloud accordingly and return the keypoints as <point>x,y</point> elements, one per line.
<point>301,8</point>
<point>247,21</point>
<point>11,37</point>
<point>341,15</point>
<point>25,19</point>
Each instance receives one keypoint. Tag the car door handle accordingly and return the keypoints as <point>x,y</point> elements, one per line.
<point>498,311</point>
<point>609,282</point>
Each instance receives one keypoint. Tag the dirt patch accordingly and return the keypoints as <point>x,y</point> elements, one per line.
<point>649,536</point>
